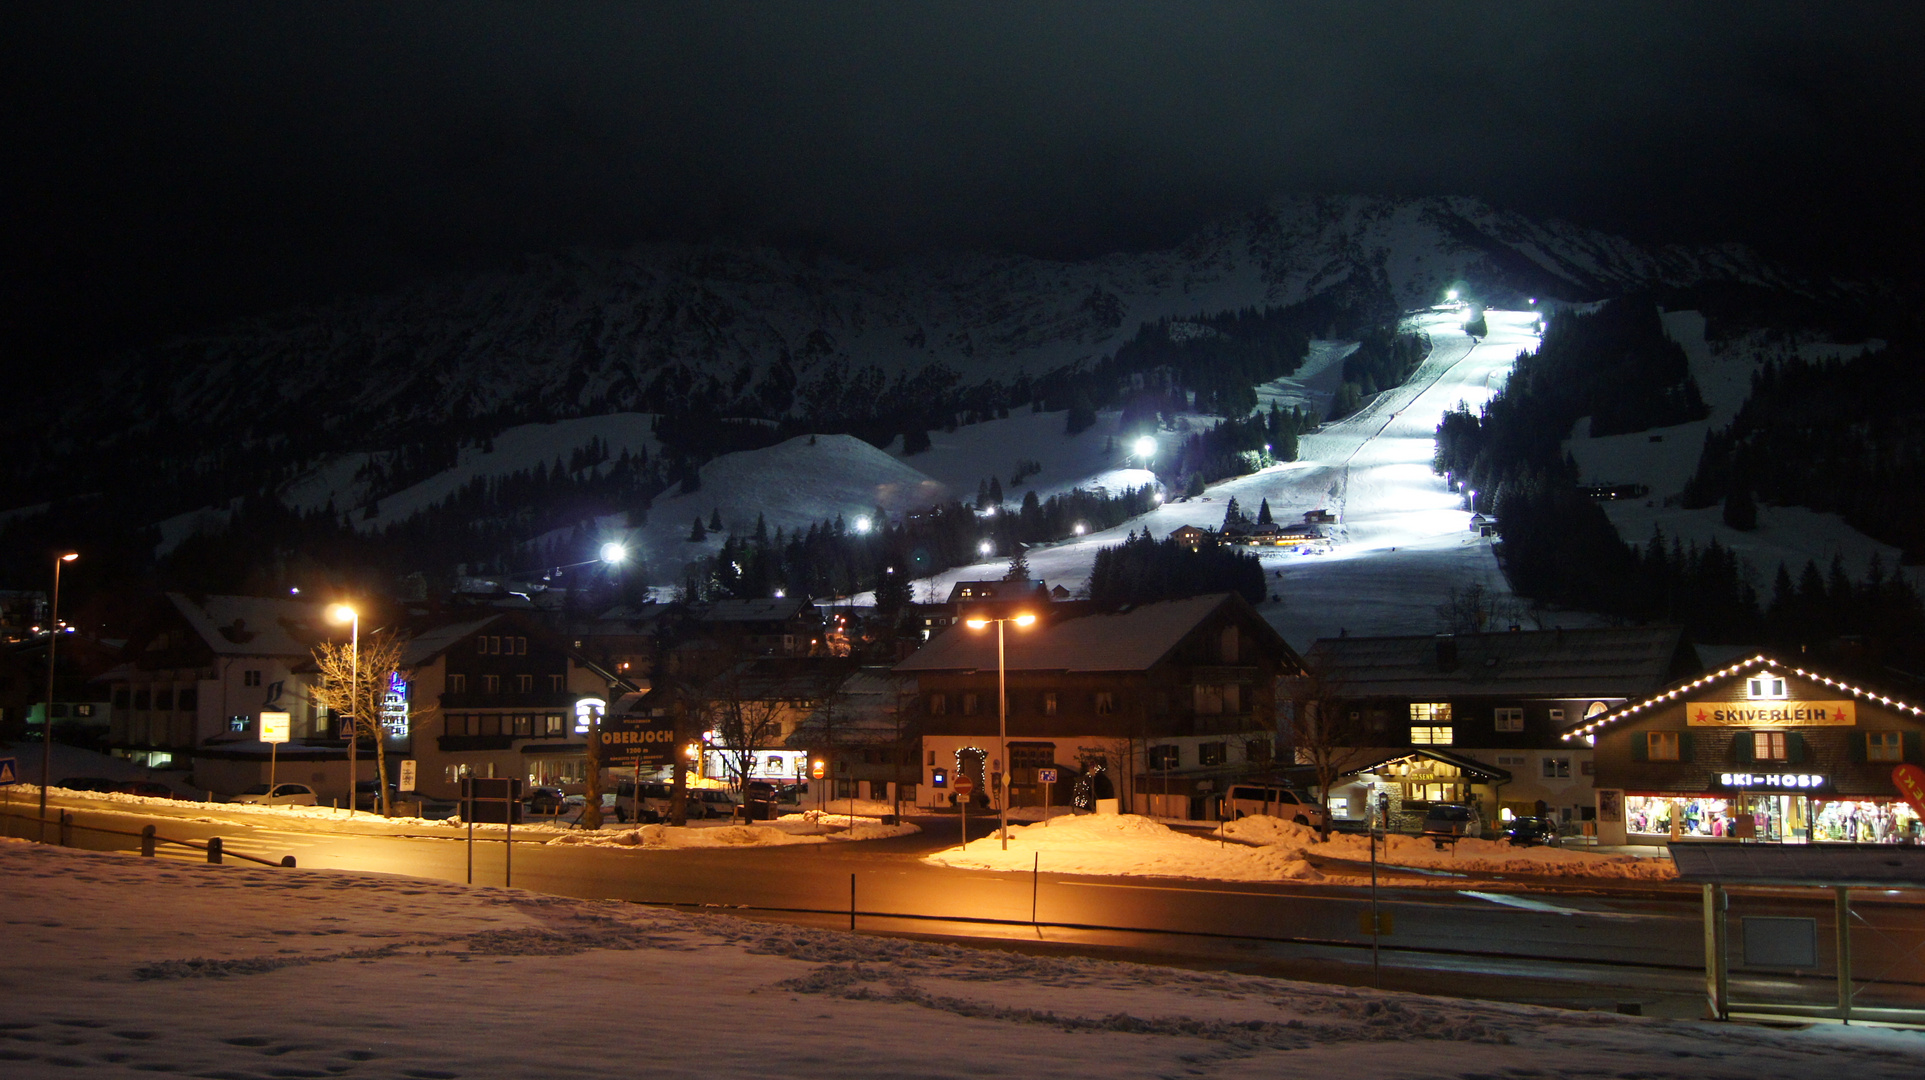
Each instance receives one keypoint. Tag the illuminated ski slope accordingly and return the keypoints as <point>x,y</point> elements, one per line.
<point>1403,541</point>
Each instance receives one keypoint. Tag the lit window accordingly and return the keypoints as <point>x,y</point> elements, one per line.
<point>1105,703</point>
<point>1510,719</point>
<point>1884,746</point>
<point>1661,745</point>
<point>1766,688</point>
<point>969,704</point>
<point>1049,703</point>
<point>938,704</point>
<point>1768,746</point>
<point>1557,768</point>
<point>1430,736</point>
<point>1211,753</point>
<point>1430,712</point>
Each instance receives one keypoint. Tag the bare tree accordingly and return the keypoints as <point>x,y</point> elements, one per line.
<point>1326,732</point>
<point>354,684</point>
<point>745,716</point>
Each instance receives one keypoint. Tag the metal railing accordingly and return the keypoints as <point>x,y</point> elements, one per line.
<point>150,839</point>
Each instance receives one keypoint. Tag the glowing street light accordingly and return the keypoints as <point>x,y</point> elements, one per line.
<point>1145,448</point>
<point>342,613</point>
<point>1080,528</point>
<point>1002,712</point>
<point>46,718</point>
<point>862,525</point>
<point>614,554</point>
<point>1451,296</point>
<point>986,548</point>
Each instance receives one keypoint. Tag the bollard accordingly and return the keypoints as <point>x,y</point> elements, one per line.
<point>287,860</point>
<point>147,841</point>
<point>66,829</point>
<point>214,850</point>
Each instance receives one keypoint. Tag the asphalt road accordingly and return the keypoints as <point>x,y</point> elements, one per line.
<point>1591,946</point>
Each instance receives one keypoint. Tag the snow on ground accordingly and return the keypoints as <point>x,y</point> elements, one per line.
<point>1404,539</point>
<point>804,481</point>
<point>1785,534</point>
<point>1311,386</point>
<point>528,446</point>
<point>125,966</point>
<point>1265,849</point>
<point>1100,456</point>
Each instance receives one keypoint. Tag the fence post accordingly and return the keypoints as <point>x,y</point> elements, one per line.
<point>146,841</point>
<point>66,829</point>
<point>214,850</point>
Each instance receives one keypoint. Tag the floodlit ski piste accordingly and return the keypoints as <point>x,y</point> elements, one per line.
<point>1402,540</point>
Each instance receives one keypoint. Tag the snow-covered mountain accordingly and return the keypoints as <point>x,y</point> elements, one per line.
<point>774,333</point>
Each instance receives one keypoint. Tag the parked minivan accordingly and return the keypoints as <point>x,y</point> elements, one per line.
<point>1451,821</point>
<point>1242,800</point>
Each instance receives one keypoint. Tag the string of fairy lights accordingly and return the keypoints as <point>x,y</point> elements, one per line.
<point>1624,711</point>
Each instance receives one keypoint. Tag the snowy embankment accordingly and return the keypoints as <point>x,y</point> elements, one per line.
<point>127,966</point>
<point>1264,849</point>
<point>805,828</point>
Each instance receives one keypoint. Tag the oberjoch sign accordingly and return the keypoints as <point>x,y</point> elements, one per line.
<point>628,741</point>
<point>1771,714</point>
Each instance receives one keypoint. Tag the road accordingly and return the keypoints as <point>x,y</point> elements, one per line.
<point>1587,947</point>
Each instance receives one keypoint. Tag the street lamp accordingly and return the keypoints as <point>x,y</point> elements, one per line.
<point>46,719</point>
<point>614,553</point>
<point>1146,448</point>
<point>342,613</point>
<point>1002,712</point>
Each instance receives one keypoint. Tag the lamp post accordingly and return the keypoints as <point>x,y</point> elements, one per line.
<point>1002,713</point>
<point>46,718</point>
<point>342,613</point>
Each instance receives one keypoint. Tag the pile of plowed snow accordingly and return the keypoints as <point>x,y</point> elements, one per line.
<point>1125,845</point>
<point>790,830</point>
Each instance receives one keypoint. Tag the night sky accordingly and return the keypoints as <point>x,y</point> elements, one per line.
<point>172,165</point>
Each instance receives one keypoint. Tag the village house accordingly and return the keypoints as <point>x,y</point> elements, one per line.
<point>1762,750</point>
<point>1481,717</point>
<point>1155,707</point>
<point>769,627</point>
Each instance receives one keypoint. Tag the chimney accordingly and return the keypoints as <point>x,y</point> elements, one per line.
<point>1446,652</point>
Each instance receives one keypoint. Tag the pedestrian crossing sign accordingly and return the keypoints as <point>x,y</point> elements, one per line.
<point>9,770</point>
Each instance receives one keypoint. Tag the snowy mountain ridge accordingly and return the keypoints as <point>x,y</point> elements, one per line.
<point>778,333</point>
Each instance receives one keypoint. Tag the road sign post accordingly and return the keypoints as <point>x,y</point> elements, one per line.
<point>9,776</point>
<point>274,727</point>
<point>1047,778</point>
<point>964,788</point>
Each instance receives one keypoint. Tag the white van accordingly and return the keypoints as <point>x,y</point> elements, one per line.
<point>1243,800</point>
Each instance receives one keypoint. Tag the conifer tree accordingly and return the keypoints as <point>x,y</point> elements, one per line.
<point>1263,514</point>
<point>697,534</point>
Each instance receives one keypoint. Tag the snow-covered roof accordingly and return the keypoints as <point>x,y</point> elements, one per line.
<point>777,609</point>
<point>254,625</point>
<point>428,644</point>
<point>1130,641</point>
<point>1618,662</point>
<point>863,710</point>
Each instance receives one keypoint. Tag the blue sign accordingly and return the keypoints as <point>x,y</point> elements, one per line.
<point>9,771</point>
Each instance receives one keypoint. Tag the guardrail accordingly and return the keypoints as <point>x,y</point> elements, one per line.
<point>150,840</point>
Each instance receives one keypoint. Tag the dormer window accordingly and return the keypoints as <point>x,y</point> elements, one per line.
<point>1765,688</point>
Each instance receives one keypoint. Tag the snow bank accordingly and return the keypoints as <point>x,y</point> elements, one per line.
<point>1125,845</point>
<point>1495,857</point>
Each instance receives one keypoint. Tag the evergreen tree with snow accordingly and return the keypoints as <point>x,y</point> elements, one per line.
<point>697,534</point>
<point>1018,567</point>
<point>1263,514</point>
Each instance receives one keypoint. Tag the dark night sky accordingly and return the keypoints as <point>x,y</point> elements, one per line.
<point>171,165</point>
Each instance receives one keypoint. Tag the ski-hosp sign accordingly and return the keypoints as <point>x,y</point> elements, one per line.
<point>1770,714</point>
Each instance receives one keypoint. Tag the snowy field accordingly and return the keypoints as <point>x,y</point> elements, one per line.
<point>1260,848</point>
<point>119,966</point>
<point>1664,459</point>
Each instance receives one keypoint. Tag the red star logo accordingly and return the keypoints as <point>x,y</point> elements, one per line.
<point>1702,715</point>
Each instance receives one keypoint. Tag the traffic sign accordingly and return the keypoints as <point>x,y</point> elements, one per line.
<point>963,785</point>
<point>9,771</point>
<point>274,727</point>
<point>1046,776</point>
<point>408,767</point>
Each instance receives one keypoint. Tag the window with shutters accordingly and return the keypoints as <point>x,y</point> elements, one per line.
<point>1769,746</point>
<point>1884,746</point>
<point>1661,745</point>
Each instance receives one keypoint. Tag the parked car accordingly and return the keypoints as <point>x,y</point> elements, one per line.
<point>1452,821</point>
<point>1242,800</point>
<point>85,783</point>
<point>710,803</point>
<point>366,795</point>
<point>278,795</point>
<point>614,808</point>
<point>152,789</point>
<point>545,801</point>
<point>1525,831</point>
